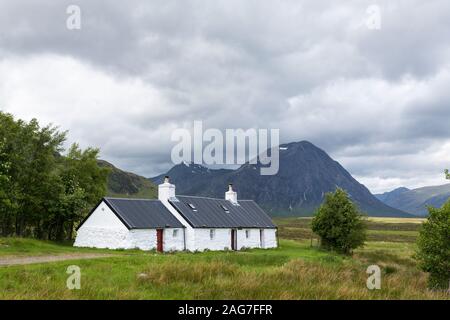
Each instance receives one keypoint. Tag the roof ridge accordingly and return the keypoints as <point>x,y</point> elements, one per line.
<point>141,199</point>
<point>199,197</point>
<point>181,195</point>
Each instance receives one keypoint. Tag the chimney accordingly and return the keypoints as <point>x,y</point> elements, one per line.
<point>231,195</point>
<point>166,190</point>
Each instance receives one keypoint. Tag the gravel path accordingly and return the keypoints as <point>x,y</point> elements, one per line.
<point>10,261</point>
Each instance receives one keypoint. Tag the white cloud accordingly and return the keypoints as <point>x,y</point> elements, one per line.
<point>126,117</point>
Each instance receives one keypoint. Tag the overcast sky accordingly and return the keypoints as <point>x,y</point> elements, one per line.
<point>377,100</point>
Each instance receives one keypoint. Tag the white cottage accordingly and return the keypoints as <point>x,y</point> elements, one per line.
<point>175,223</point>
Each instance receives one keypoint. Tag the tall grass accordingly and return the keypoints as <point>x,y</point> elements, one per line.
<point>296,279</point>
<point>295,270</point>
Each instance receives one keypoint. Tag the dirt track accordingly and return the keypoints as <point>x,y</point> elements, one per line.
<point>14,260</point>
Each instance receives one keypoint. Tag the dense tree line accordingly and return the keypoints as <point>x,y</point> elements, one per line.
<point>43,193</point>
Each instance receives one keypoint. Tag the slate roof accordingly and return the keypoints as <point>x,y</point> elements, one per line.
<point>142,213</point>
<point>202,212</point>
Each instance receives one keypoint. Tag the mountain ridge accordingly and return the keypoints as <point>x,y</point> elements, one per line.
<point>125,184</point>
<point>306,174</point>
<point>415,201</point>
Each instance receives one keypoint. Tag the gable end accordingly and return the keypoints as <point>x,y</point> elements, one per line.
<point>111,208</point>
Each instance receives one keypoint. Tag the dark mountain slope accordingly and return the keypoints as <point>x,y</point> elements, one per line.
<point>306,173</point>
<point>128,185</point>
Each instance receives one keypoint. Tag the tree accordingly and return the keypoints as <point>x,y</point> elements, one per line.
<point>8,203</point>
<point>6,206</point>
<point>84,184</point>
<point>339,224</point>
<point>33,170</point>
<point>433,247</point>
<point>43,193</point>
<point>447,174</point>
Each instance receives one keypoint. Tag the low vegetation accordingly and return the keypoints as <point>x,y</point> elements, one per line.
<point>295,270</point>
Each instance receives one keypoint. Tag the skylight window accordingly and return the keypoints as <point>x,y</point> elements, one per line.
<point>190,205</point>
<point>224,208</point>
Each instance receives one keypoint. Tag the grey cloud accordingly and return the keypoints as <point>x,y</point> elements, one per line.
<point>242,64</point>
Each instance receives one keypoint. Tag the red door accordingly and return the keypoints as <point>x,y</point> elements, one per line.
<point>233,239</point>
<point>159,240</point>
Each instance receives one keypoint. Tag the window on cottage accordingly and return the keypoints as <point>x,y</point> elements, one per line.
<point>224,208</point>
<point>175,233</point>
<point>247,234</point>
<point>212,233</point>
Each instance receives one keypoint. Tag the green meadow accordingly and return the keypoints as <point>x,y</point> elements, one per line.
<point>298,269</point>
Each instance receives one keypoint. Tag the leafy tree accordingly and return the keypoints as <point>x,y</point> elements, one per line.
<point>32,169</point>
<point>84,184</point>
<point>42,193</point>
<point>6,205</point>
<point>447,174</point>
<point>433,245</point>
<point>339,224</point>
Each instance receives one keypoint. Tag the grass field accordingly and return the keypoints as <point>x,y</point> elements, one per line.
<point>22,247</point>
<point>379,229</point>
<point>295,270</point>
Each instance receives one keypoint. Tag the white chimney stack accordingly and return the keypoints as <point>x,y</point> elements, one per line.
<point>231,195</point>
<point>166,190</point>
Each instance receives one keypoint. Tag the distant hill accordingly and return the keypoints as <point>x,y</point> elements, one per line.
<point>416,201</point>
<point>128,185</point>
<point>306,174</point>
<point>391,195</point>
<point>194,179</point>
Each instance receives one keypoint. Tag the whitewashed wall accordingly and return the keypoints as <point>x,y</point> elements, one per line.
<point>221,240</point>
<point>253,241</point>
<point>270,238</point>
<point>171,242</point>
<point>102,230</point>
<point>190,232</point>
<point>103,217</point>
<point>144,239</point>
<point>93,237</point>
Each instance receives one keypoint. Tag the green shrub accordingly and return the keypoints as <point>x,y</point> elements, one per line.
<point>339,224</point>
<point>433,245</point>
